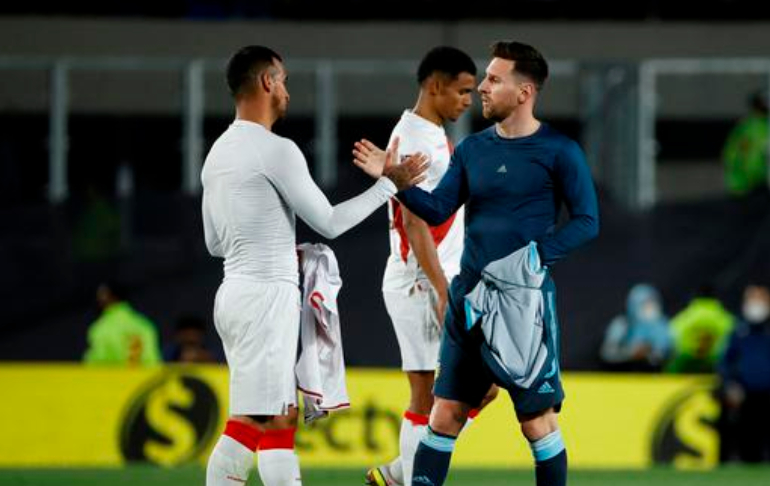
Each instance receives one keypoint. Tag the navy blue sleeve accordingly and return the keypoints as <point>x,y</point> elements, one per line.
<point>726,364</point>
<point>437,206</point>
<point>573,179</point>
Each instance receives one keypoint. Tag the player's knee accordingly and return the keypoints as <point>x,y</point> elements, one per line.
<point>449,417</point>
<point>536,427</point>
<point>492,393</point>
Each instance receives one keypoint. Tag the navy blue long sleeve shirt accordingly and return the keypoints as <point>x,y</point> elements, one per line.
<point>513,190</point>
<point>746,359</point>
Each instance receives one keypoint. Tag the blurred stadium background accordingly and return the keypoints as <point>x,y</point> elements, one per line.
<point>106,112</point>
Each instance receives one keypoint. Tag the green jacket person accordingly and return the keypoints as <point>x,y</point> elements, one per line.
<point>745,153</point>
<point>121,335</point>
<point>700,333</point>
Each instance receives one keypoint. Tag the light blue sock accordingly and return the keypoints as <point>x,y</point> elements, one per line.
<point>431,461</point>
<point>550,460</point>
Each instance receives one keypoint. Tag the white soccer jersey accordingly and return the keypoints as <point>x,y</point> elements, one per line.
<point>254,182</point>
<point>416,134</point>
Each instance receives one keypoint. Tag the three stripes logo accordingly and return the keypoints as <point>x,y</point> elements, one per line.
<point>502,169</point>
<point>545,388</point>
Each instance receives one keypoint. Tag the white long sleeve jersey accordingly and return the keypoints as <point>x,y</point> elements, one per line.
<point>254,183</point>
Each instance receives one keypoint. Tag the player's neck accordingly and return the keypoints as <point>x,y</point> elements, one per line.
<point>517,125</point>
<point>253,113</point>
<point>423,110</point>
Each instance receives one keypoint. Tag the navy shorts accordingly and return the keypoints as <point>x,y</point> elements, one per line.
<point>466,371</point>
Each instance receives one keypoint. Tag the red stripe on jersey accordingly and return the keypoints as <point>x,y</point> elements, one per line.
<point>438,232</point>
<point>398,225</point>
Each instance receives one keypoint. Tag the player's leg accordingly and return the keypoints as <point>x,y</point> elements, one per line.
<point>434,453</point>
<point>538,405</point>
<point>277,461</point>
<point>461,384</point>
<point>545,439</point>
<point>413,426</point>
<point>418,340</point>
<point>415,421</point>
<point>259,328</point>
<point>232,458</point>
<point>492,393</point>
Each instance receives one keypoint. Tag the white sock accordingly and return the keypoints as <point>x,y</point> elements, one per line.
<point>229,463</point>
<point>395,471</point>
<point>409,439</point>
<point>279,467</point>
<point>467,424</point>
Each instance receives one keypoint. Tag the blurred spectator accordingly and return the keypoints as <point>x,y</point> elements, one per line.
<point>96,236</point>
<point>745,153</point>
<point>121,335</point>
<point>700,331</point>
<point>189,343</point>
<point>745,389</point>
<point>639,339</point>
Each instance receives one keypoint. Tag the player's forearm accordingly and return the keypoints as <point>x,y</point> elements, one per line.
<point>578,231</point>
<point>439,205</point>
<point>424,248</point>
<point>429,208</point>
<point>293,181</point>
<point>332,221</point>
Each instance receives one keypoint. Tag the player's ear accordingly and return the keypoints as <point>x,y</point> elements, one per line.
<point>434,84</point>
<point>527,91</point>
<point>265,81</point>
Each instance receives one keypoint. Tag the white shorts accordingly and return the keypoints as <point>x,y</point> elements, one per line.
<point>258,323</point>
<point>414,320</point>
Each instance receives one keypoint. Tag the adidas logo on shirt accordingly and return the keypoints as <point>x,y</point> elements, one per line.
<point>422,480</point>
<point>502,169</point>
<point>545,388</point>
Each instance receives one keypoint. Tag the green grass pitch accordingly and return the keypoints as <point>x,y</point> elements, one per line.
<point>194,476</point>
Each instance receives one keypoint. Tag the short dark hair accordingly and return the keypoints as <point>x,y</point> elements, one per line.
<point>190,321</point>
<point>445,60</point>
<point>527,60</point>
<point>117,288</point>
<point>706,289</point>
<point>245,65</point>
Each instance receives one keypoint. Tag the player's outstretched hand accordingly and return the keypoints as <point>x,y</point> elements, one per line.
<point>371,158</point>
<point>377,163</point>
<point>410,172</point>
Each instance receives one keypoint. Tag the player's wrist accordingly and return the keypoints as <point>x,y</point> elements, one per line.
<point>441,286</point>
<point>387,184</point>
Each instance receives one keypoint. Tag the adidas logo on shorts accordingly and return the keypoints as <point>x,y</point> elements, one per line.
<point>545,388</point>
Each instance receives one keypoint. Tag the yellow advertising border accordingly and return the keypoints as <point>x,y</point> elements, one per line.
<point>57,415</point>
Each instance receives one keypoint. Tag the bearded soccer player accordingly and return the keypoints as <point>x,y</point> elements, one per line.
<point>255,183</point>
